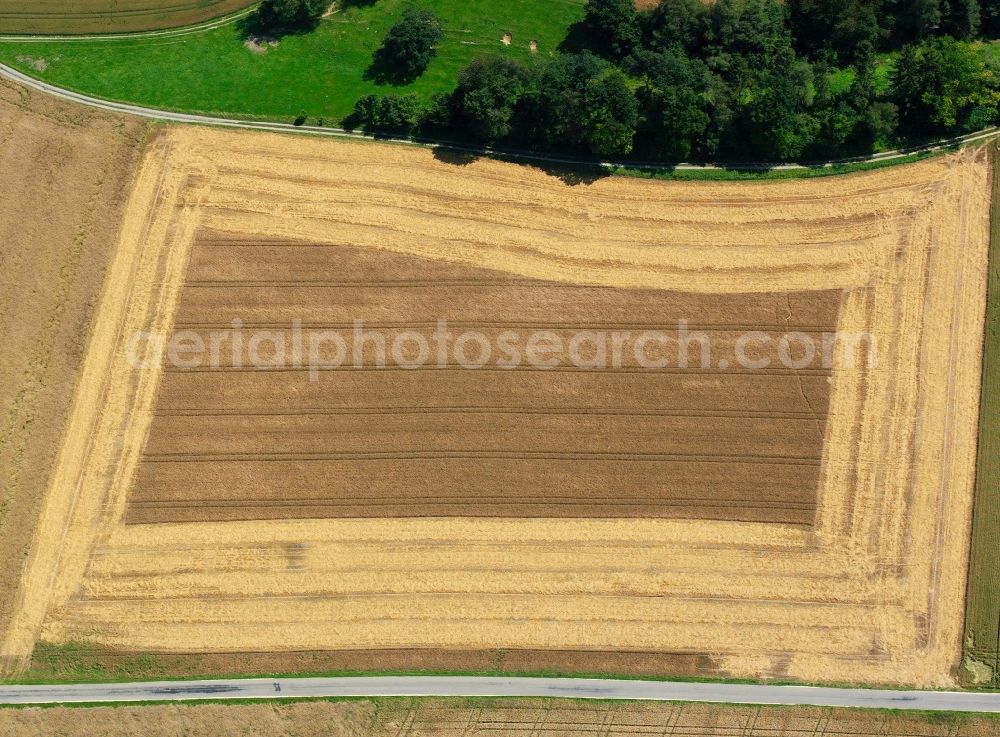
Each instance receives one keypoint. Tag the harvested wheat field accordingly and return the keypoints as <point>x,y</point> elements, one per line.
<point>464,717</point>
<point>224,509</point>
<point>58,229</point>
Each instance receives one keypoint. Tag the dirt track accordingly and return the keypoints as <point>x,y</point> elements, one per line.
<point>872,593</point>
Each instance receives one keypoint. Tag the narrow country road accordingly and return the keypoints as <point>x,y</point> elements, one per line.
<point>172,117</point>
<point>577,688</point>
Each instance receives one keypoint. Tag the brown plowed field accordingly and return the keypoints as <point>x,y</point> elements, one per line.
<point>868,589</point>
<point>235,392</point>
<point>108,16</point>
<point>388,441</point>
<point>439,717</point>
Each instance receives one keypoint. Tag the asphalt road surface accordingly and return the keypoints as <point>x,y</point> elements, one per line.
<point>577,688</point>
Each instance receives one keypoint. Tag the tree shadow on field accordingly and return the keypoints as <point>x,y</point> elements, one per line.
<point>385,70</point>
<point>345,4</point>
<point>573,174</point>
<point>352,122</point>
<point>578,39</point>
<point>454,156</point>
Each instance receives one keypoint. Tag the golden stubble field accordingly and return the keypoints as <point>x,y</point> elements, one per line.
<point>56,240</point>
<point>872,591</point>
<point>429,717</point>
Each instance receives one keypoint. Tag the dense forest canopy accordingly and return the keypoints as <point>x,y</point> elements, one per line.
<point>733,80</point>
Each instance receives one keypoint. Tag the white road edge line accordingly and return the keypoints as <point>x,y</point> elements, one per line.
<point>172,117</point>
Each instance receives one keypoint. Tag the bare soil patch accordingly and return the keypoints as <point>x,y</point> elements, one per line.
<point>260,44</point>
<point>39,64</point>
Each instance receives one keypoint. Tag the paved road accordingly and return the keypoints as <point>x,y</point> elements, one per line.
<point>168,116</point>
<point>579,688</point>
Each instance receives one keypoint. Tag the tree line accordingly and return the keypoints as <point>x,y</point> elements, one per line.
<point>773,80</point>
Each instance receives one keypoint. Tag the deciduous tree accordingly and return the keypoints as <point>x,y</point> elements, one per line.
<point>613,26</point>
<point>611,114</point>
<point>943,86</point>
<point>389,113</point>
<point>408,47</point>
<point>488,92</point>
